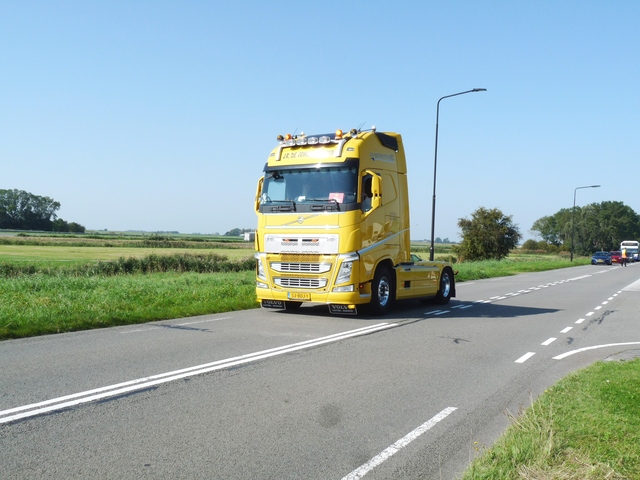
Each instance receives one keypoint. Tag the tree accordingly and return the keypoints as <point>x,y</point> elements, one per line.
<point>552,229</point>
<point>488,235</point>
<point>604,225</point>
<point>22,210</point>
<point>60,225</point>
<point>76,228</point>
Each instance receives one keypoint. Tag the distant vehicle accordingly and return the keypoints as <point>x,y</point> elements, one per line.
<point>601,258</point>
<point>616,256</point>
<point>632,249</point>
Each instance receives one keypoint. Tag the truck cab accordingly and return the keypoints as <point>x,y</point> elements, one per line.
<point>333,226</point>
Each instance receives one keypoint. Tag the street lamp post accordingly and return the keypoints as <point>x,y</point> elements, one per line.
<point>435,163</point>
<point>573,211</point>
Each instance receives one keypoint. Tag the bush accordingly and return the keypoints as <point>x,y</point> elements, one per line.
<point>180,262</point>
<point>489,235</point>
<point>541,246</point>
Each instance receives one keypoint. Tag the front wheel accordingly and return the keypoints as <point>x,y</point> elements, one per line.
<point>446,287</point>
<point>381,291</point>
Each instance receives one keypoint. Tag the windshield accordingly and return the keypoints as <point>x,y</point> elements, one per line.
<point>306,186</point>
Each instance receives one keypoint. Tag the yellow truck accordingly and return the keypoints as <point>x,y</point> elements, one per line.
<point>333,226</point>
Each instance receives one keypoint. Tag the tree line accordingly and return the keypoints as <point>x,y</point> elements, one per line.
<point>20,210</point>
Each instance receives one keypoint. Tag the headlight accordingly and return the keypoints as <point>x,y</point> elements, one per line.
<point>344,274</point>
<point>344,288</point>
<point>260,268</point>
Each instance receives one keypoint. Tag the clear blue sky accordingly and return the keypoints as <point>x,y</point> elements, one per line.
<point>158,115</point>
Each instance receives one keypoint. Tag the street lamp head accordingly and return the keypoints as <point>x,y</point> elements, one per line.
<point>479,90</point>
<point>573,211</point>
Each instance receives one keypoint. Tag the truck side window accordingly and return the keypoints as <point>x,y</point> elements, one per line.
<point>366,193</point>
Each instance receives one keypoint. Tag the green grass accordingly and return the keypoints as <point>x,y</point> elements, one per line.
<point>52,296</point>
<point>41,304</point>
<point>585,427</point>
<point>513,265</point>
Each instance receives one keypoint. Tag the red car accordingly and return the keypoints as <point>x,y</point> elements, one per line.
<point>616,257</point>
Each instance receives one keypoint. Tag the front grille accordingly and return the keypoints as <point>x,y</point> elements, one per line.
<point>300,267</point>
<point>288,257</point>
<point>310,242</point>
<point>301,282</point>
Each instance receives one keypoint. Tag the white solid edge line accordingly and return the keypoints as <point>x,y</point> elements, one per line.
<point>397,446</point>
<point>564,355</point>
<point>147,382</point>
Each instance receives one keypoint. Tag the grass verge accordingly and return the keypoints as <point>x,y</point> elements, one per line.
<point>41,304</point>
<point>586,427</point>
<point>513,265</point>
<point>44,296</point>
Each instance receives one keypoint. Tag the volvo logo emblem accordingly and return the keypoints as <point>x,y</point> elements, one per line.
<point>300,219</point>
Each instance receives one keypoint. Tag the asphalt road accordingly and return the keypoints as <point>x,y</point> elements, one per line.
<point>270,395</point>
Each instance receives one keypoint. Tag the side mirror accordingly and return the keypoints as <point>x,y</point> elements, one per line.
<point>258,195</point>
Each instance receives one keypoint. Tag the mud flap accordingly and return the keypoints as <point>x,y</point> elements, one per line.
<point>342,309</point>
<point>279,304</point>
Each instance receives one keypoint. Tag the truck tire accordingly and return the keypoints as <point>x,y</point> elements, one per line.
<point>382,291</point>
<point>446,287</point>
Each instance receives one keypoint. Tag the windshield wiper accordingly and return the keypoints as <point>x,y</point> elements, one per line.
<point>330,201</point>
<point>283,208</point>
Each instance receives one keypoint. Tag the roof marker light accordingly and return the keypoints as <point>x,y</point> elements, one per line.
<point>289,141</point>
<point>325,139</point>
<point>338,134</point>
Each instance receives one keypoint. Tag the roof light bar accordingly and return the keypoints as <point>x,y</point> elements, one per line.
<point>290,140</point>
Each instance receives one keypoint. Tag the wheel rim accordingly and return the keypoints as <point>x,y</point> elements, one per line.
<point>445,285</point>
<point>383,291</point>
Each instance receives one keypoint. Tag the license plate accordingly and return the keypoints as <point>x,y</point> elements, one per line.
<point>299,296</point>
